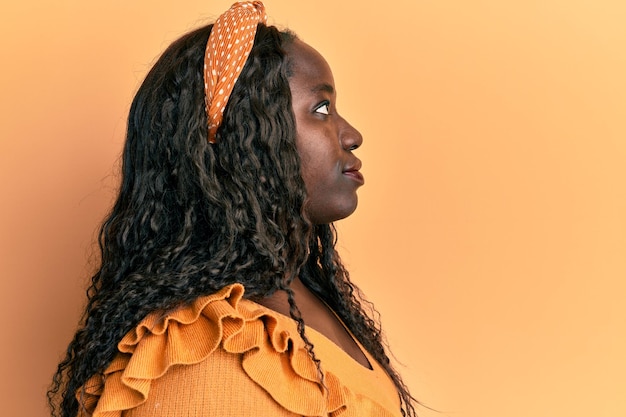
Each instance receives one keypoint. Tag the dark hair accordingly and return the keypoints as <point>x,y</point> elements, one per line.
<point>192,217</point>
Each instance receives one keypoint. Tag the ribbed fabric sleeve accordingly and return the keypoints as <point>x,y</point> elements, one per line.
<point>227,356</point>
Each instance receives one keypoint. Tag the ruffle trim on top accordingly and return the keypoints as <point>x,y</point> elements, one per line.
<point>271,357</point>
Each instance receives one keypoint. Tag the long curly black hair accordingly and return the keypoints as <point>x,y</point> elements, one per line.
<point>192,217</point>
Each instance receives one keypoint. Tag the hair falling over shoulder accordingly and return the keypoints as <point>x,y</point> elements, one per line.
<point>192,217</point>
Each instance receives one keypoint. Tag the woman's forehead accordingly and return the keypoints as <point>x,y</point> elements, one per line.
<point>308,65</point>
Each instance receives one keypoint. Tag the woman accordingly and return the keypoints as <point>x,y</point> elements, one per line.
<point>220,291</point>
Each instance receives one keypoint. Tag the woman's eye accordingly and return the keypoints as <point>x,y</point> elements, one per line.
<point>323,109</point>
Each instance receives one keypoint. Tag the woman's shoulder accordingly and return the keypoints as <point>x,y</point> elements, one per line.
<point>217,340</point>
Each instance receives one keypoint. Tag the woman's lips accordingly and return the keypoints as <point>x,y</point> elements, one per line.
<point>355,175</point>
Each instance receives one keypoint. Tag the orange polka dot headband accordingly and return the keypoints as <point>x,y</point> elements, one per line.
<point>227,49</point>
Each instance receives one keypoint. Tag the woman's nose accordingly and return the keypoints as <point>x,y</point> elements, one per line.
<point>351,138</point>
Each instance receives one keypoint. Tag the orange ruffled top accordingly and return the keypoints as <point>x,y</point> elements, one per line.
<point>224,355</point>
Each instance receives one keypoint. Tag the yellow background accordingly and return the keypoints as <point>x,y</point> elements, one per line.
<point>491,233</point>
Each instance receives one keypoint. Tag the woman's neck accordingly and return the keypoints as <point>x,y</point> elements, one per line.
<point>317,315</point>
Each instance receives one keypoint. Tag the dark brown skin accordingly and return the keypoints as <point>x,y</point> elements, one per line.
<point>318,316</point>
<point>325,140</point>
<point>331,174</point>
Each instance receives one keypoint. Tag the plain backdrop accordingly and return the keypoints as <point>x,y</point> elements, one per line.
<point>490,234</point>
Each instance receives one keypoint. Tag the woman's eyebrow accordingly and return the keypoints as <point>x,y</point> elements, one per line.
<point>325,87</point>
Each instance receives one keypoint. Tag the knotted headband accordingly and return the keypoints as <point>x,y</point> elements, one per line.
<point>227,49</point>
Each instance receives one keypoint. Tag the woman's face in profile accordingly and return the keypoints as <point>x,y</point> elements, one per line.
<point>325,140</point>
